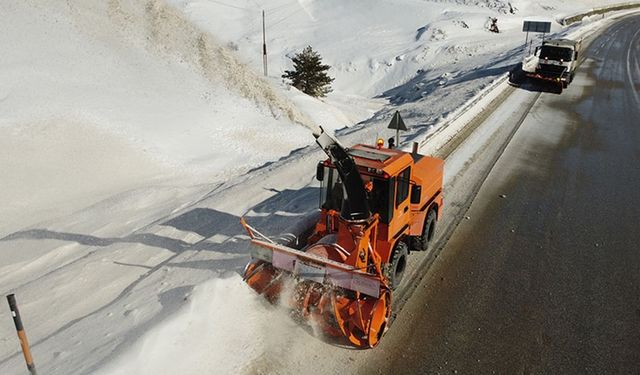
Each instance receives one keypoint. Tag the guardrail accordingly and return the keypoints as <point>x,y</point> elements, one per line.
<point>566,21</point>
<point>449,127</point>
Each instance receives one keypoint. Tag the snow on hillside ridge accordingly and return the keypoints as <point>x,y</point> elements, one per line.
<point>168,31</point>
<point>157,26</point>
<point>349,36</point>
<point>138,75</point>
<point>371,46</point>
<point>499,5</point>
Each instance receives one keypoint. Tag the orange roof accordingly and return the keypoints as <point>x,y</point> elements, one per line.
<point>388,160</point>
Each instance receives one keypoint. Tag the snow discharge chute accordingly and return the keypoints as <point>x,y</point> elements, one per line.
<point>355,205</point>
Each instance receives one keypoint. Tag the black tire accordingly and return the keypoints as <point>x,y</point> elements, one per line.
<point>556,87</point>
<point>398,264</point>
<point>421,243</point>
<point>517,76</point>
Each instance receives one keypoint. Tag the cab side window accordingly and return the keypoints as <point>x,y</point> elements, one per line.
<point>403,186</point>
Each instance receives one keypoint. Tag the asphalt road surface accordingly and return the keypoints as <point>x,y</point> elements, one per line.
<point>543,274</point>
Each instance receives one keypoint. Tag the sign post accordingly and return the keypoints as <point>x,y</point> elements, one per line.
<point>398,124</point>
<point>535,27</point>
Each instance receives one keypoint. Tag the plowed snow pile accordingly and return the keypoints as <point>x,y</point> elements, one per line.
<point>220,313</point>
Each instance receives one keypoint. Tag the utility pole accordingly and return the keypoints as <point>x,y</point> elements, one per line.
<point>264,45</point>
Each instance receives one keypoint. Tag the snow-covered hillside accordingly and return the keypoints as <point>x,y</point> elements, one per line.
<point>101,96</point>
<point>131,139</point>
<point>372,47</point>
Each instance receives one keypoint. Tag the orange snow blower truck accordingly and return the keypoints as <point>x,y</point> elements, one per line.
<point>377,204</point>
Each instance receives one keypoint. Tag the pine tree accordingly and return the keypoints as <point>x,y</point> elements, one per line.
<point>309,74</point>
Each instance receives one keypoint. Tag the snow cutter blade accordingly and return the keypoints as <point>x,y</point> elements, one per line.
<point>341,300</point>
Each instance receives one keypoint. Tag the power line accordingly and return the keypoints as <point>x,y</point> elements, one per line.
<point>228,5</point>
<point>255,26</point>
<point>287,17</point>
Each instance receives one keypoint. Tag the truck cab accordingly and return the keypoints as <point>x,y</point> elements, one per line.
<point>556,61</point>
<point>404,189</point>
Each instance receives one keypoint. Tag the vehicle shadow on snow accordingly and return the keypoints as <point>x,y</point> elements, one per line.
<point>206,222</point>
<point>148,239</point>
<point>292,201</point>
<point>220,232</point>
<point>273,216</point>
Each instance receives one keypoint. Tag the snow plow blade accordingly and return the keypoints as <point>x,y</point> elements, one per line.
<point>341,300</point>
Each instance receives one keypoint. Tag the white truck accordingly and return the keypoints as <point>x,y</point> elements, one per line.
<point>555,60</point>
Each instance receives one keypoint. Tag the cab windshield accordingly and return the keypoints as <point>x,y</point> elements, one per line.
<point>556,53</point>
<point>380,197</point>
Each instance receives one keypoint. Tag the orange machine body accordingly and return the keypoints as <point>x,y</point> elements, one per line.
<point>402,170</point>
<point>344,268</point>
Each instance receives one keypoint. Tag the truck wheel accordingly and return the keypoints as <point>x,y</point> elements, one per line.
<point>421,243</point>
<point>398,264</point>
<point>517,75</point>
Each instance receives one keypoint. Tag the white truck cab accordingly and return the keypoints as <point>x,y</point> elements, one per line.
<point>556,60</point>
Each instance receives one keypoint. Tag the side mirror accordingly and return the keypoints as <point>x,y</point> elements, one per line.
<point>320,172</point>
<point>416,193</point>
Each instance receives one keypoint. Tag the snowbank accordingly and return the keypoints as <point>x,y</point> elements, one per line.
<point>221,313</point>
